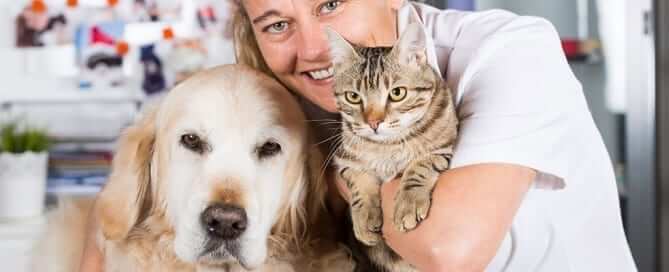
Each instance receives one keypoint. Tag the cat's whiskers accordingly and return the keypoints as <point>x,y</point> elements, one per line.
<point>337,145</point>
<point>328,139</point>
<point>326,122</point>
<point>323,120</point>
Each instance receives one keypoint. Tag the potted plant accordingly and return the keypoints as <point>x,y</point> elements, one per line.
<point>23,171</point>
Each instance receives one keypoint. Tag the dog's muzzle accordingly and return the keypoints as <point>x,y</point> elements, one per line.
<point>224,222</point>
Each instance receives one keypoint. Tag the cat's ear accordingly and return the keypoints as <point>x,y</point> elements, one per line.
<point>410,48</point>
<point>341,51</point>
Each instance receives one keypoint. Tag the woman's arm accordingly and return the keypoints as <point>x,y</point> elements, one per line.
<point>92,259</point>
<point>472,210</point>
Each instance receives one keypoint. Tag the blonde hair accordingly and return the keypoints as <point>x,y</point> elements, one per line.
<point>246,46</point>
<point>300,226</point>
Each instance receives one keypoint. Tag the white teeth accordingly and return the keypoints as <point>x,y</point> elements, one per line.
<point>322,74</point>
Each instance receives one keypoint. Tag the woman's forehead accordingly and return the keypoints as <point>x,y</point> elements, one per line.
<point>282,7</point>
<point>287,8</point>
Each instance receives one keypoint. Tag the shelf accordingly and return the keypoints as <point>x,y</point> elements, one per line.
<point>73,190</point>
<point>73,117</point>
<point>55,91</point>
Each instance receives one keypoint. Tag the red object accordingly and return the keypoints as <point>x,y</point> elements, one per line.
<point>168,33</point>
<point>571,47</point>
<point>122,48</point>
<point>97,36</point>
<point>112,3</point>
<point>207,12</point>
<point>72,3</point>
<point>38,6</point>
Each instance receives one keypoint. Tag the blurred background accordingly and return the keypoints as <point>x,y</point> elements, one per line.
<point>79,71</point>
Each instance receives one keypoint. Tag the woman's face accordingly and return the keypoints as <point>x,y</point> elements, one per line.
<point>291,37</point>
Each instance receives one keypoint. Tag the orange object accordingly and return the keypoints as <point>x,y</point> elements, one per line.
<point>122,48</point>
<point>72,3</point>
<point>38,6</point>
<point>168,33</point>
<point>112,3</point>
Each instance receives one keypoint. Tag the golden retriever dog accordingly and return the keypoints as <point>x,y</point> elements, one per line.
<point>220,176</point>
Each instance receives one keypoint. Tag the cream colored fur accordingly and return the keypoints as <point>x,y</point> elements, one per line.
<point>149,210</point>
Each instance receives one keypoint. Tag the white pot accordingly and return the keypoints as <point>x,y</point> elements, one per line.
<point>22,184</point>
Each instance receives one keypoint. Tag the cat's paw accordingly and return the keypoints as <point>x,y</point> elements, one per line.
<point>411,207</point>
<point>367,222</point>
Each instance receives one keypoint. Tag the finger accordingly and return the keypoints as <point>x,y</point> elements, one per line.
<point>343,190</point>
<point>389,189</point>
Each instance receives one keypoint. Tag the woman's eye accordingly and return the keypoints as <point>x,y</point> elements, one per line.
<point>277,27</point>
<point>328,7</point>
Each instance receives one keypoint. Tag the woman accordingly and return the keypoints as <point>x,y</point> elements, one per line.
<point>531,187</point>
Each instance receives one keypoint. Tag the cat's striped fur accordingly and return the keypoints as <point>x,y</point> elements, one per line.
<point>416,142</point>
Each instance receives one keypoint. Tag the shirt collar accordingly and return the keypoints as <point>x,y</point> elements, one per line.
<point>406,15</point>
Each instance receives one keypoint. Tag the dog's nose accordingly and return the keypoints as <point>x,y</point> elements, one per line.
<point>224,221</point>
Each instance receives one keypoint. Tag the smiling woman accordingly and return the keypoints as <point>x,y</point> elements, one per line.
<point>524,131</point>
<point>290,37</point>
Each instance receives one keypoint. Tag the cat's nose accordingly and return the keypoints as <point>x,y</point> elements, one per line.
<point>374,123</point>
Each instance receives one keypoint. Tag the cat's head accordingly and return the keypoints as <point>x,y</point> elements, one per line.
<point>382,93</point>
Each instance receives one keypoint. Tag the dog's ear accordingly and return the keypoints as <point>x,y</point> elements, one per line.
<point>123,201</point>
<point>317,189</point>
<point>304,209</point>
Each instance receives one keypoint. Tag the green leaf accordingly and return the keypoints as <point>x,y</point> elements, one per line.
<point>7,141</point>
<point>31,139</point>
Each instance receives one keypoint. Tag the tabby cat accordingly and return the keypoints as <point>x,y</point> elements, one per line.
<point>398,119</point>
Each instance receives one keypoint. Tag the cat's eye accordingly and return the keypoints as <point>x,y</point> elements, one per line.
<point>397,94</point>
<point>353,98</point>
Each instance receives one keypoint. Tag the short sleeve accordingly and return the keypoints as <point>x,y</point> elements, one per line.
<point>515,95</point>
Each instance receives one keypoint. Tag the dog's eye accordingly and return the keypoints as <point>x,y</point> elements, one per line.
<point>192,142</point>
<point>268,149</point>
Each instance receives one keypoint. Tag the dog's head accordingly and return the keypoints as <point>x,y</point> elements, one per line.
<point>222,160</point>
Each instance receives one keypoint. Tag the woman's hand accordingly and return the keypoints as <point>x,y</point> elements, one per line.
<point>92,259</point>
<point>472,209</point>
<point>342,189</point>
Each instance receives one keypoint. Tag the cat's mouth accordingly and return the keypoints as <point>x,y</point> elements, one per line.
<point>320,74</point>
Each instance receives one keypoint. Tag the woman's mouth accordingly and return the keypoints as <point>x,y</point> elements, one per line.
<point>320,76</point>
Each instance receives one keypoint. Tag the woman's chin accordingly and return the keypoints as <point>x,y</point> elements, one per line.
<point>329,106</point>
<point>324,98</point>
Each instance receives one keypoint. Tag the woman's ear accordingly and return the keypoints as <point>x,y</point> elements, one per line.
<point>123,201</point>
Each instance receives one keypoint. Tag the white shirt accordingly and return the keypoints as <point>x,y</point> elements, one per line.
<point>519,102</point>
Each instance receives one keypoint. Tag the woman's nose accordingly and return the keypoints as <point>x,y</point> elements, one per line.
<point>313,45</point>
